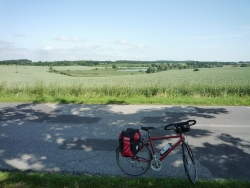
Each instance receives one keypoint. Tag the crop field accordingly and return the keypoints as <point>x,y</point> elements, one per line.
<point>210,82</point>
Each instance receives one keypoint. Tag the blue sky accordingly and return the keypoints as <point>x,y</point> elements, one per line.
<point>51,30</point>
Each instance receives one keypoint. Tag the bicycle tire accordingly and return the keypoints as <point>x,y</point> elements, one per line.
<point>134,166</point>
<point>189,163</point>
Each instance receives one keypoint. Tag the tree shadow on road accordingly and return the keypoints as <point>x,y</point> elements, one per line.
<point>89,144</point>
<point>227,160</point>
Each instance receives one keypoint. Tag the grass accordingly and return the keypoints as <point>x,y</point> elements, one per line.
<point>40,180</point>
<point>42,92</point>
<point>207,101</point>
<point>215,86</point>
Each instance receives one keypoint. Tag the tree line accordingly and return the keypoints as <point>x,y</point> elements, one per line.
<point>159,65</point>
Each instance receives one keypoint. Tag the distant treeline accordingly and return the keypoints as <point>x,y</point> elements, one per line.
<point>170,64</point>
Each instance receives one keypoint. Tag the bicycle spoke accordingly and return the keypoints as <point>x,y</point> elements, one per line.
<point>136,165</point>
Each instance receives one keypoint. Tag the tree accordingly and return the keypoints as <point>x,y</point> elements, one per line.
<point>114,66</point>
<point>50,68</point>
<point>151,69</point>
<point>153,65</point>
<point>161,67</point>
<point>243,65</point>
<point>180,66</point>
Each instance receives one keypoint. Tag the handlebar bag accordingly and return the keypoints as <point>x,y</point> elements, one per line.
<point>129,142</point>
<point>183,128</point>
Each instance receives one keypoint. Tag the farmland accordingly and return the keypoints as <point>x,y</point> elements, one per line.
<point>35,83</point>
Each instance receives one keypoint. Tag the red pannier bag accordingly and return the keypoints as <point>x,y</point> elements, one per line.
<point>129,142</point>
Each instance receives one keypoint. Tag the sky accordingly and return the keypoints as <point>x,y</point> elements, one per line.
<point>146,30</point>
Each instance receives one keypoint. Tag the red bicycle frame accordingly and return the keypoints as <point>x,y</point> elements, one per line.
<point>151,139</point>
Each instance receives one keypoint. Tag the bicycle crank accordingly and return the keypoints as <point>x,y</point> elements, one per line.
<point>156,164</point>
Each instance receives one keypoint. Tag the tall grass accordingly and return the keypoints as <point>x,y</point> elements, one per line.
<point>41,89</point>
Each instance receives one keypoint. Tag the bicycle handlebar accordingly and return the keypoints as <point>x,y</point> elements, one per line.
<point>179,125</point>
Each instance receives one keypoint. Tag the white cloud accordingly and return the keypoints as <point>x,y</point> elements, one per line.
<point>47,48</point>
<point>9,50</point>
<point>62,38</point>
<point>121,42</point>
<point>73,39</point>
<point>5,44</point>
<point>76,39</point>
<point>140,46</point>
<point>130,46</point>
<point>93,52</point>
<point>103,51</point>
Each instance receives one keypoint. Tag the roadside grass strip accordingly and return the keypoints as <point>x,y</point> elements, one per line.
<point>11,179</point>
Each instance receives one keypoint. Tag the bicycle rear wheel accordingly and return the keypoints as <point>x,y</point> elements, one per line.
<point>136,165</point>
<point>189,163</point>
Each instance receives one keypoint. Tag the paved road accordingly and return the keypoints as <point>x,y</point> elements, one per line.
<point>83,138</point>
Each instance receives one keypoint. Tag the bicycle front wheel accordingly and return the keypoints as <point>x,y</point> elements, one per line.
<point>136,165</point>
<point>189,163</point>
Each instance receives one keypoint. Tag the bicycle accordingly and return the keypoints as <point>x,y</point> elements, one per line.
<point>146,158</point>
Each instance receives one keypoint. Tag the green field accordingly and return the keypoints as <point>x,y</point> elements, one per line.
<point>228,85</point>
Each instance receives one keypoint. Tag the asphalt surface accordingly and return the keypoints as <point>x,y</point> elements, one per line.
<point>81,139</point>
